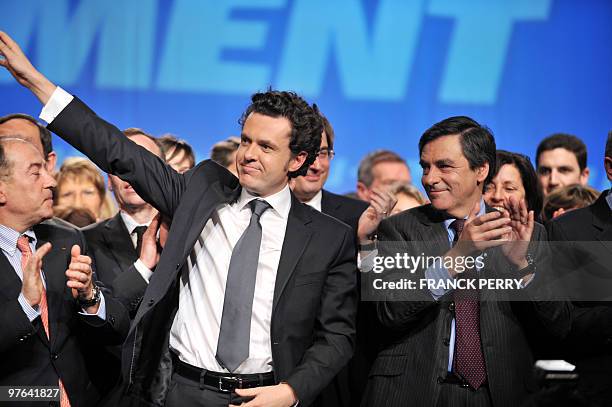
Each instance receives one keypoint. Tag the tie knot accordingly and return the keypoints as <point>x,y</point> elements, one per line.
<point>23,244</point>
<point>258,206</point>
<point>457,226</point>
<point>139,230</point>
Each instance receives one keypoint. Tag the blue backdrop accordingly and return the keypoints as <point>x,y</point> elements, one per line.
<point>382,71</point>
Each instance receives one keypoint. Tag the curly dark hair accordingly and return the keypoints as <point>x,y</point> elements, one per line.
<point>306,123</point>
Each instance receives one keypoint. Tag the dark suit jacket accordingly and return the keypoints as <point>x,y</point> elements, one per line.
<point>113,252</point>
<point>347,387</point>
<point>28,357</point>
<point>314,304</point>
<point>407,371</point>
<point>348,210</point>
<point>584,265</point>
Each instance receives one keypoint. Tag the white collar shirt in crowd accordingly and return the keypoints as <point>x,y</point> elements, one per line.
<point>195,330</point>
<point>315,202</point>
<point>131,224</point>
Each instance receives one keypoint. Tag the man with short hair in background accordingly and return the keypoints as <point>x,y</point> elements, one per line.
<point>37,134</point>
<point>115,244</point>
<point>380,169</point>
<point>561,159</point>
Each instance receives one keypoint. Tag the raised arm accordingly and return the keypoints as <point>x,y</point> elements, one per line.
<point>100,141</point>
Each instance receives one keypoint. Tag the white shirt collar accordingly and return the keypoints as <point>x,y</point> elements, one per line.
<point>280,201</point>
<point>130,223</point>
<point>315,202</point>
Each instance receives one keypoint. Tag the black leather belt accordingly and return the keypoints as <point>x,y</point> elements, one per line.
<point>452,378</point>
<point>223,382</point>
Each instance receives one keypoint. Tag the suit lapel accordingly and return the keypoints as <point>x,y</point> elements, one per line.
<point>329,205</point>
<point>54,267</point>
<point>218,195</point>
<point>434,236</point>
<point>10,284</point>
<point>120,244</point>
<point>297,236</point>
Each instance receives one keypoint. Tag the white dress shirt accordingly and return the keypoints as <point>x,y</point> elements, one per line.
<point>315,202</point>
<point>195,330</point>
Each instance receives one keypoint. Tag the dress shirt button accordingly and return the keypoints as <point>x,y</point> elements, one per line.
<point>451,306</point>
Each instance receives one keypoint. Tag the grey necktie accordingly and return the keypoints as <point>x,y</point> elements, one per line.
<point>234,335</point>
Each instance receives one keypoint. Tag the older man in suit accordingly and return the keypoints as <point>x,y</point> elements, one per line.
<point>48,324</point>
<point>460,347</point>
<point>253,298</point>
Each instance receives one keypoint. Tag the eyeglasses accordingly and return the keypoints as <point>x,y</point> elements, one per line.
<point>325,154</point>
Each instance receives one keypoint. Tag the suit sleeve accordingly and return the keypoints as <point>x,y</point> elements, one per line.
<point>334,333</point>
<point>591,325</point>
<point>104,144</point>
<point>114,328</point>
<point>398,311</point>
<point>16,327</point>
<point>552,311</point>
<point>129,287</point>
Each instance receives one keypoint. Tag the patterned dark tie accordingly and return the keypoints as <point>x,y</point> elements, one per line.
<point>468,361</point>
<point>235,330</point>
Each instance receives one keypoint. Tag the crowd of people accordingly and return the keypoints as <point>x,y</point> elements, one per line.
<point>241,280</point>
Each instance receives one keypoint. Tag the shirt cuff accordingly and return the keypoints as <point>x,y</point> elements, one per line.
<point>58,102</point>
<point>143,270</point>
<point>438,273</point>
<point>31,312</point>
<point>101,310</point>
<point>366,263</point>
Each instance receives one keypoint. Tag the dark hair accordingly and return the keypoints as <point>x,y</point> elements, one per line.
<point>609,145</point>
<point>306,123</point>
<point>367,163</point>
<point>45,135</point>
<point>222,151</point>
<point>327,128</point>
<point>566,141</point>
<point>533,191</point>
<point>568,197</point>
<point>477,141</point>
<point>135,131</point>
<point>171,144</point>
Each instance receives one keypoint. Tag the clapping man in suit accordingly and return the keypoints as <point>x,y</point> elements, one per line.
<point>51,312</point>
<point>115,244</point>
<point>460,347</point>
<point>253,299</point>
<point>582,245</point>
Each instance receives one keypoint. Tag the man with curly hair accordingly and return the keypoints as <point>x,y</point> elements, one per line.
<point>253,298</point>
